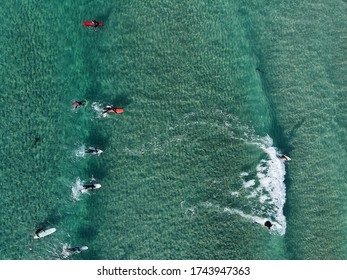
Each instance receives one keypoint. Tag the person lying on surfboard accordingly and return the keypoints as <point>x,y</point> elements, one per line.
<point>95,23</point>
<point>92,150</point>
<point>38,231</point>
<point>91,186</point>
<point>111,109</point>
<point>284,157</point>
<point>77,249</point>
<point>77,104</point>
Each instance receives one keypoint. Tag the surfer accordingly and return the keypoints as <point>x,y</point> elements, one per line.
<point>77,249</point>
<point>76,104</point>
<point>95,23</point>
<point>284,157</point>
<point>38,231</point>
<point>90,186</point>
<point>268,224</point>
<point>111,109</point>
<point>91,150</point>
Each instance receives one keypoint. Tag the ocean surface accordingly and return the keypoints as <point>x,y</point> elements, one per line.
<point>212,92</point>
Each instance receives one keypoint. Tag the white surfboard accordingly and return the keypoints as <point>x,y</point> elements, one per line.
<point>83,248</point>
<point>97,186</point>
<point>84,190</point>
<point>98,152</point>
<point>44,233</point>
<point>286,158</point>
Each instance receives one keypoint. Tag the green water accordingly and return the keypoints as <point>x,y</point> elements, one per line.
<point>202,84</point>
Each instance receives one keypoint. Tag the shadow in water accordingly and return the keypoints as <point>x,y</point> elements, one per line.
<point>105,16</point>
<point>96,138</point>
<point>95,94</point>
<point>97,170</point>
<point>87,233</point>
<point>121,101</point>
<point>52,219</point>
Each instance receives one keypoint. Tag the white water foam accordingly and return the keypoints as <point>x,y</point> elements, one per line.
<point>276,227</point>
<point>77,189</point>
<point>268,188</point>
<point>80,151</point>
<point>261,196</point>
<point>265,193</point>
<point>98,108</point>
<point>65,253</point>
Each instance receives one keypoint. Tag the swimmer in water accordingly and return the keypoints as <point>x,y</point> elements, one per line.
<point>268,224</point>
<point>77,104</point>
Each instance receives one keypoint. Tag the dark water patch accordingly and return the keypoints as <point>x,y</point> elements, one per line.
<point>97,137</point>
<point>95,93</point>
<point>122,100</point>
<point>97,170</point>
<point>87,233</point>
<point>53,219</point>
<point>37,140</point>
<point>105,16</point>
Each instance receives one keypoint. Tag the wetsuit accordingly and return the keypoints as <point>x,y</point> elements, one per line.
<point>89,187</point>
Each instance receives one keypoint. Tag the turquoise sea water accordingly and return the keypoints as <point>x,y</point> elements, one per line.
<point>212,90</point>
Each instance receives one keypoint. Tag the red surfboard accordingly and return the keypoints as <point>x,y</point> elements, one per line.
<point>89,23</point>
<point>110,110</point>
<point>119,110</point>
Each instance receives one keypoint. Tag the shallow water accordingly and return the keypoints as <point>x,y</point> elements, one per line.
<point>212,91</point>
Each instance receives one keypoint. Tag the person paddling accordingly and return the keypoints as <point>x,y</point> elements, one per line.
<point>77,249</point>
<point>91,186</point>
<point>111,109</point>
<point>91,150</point>
<point>77,104</point>
<point>95,23</point>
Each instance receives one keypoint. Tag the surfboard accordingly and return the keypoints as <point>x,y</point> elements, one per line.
<point>44,233</point>
<point>89,23</point>
<point>98,152</point>
<point>284,157</point>
<point>114,110</point>
<point>97,186</point>
<point>75,250</point>
<point>83,248</point>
